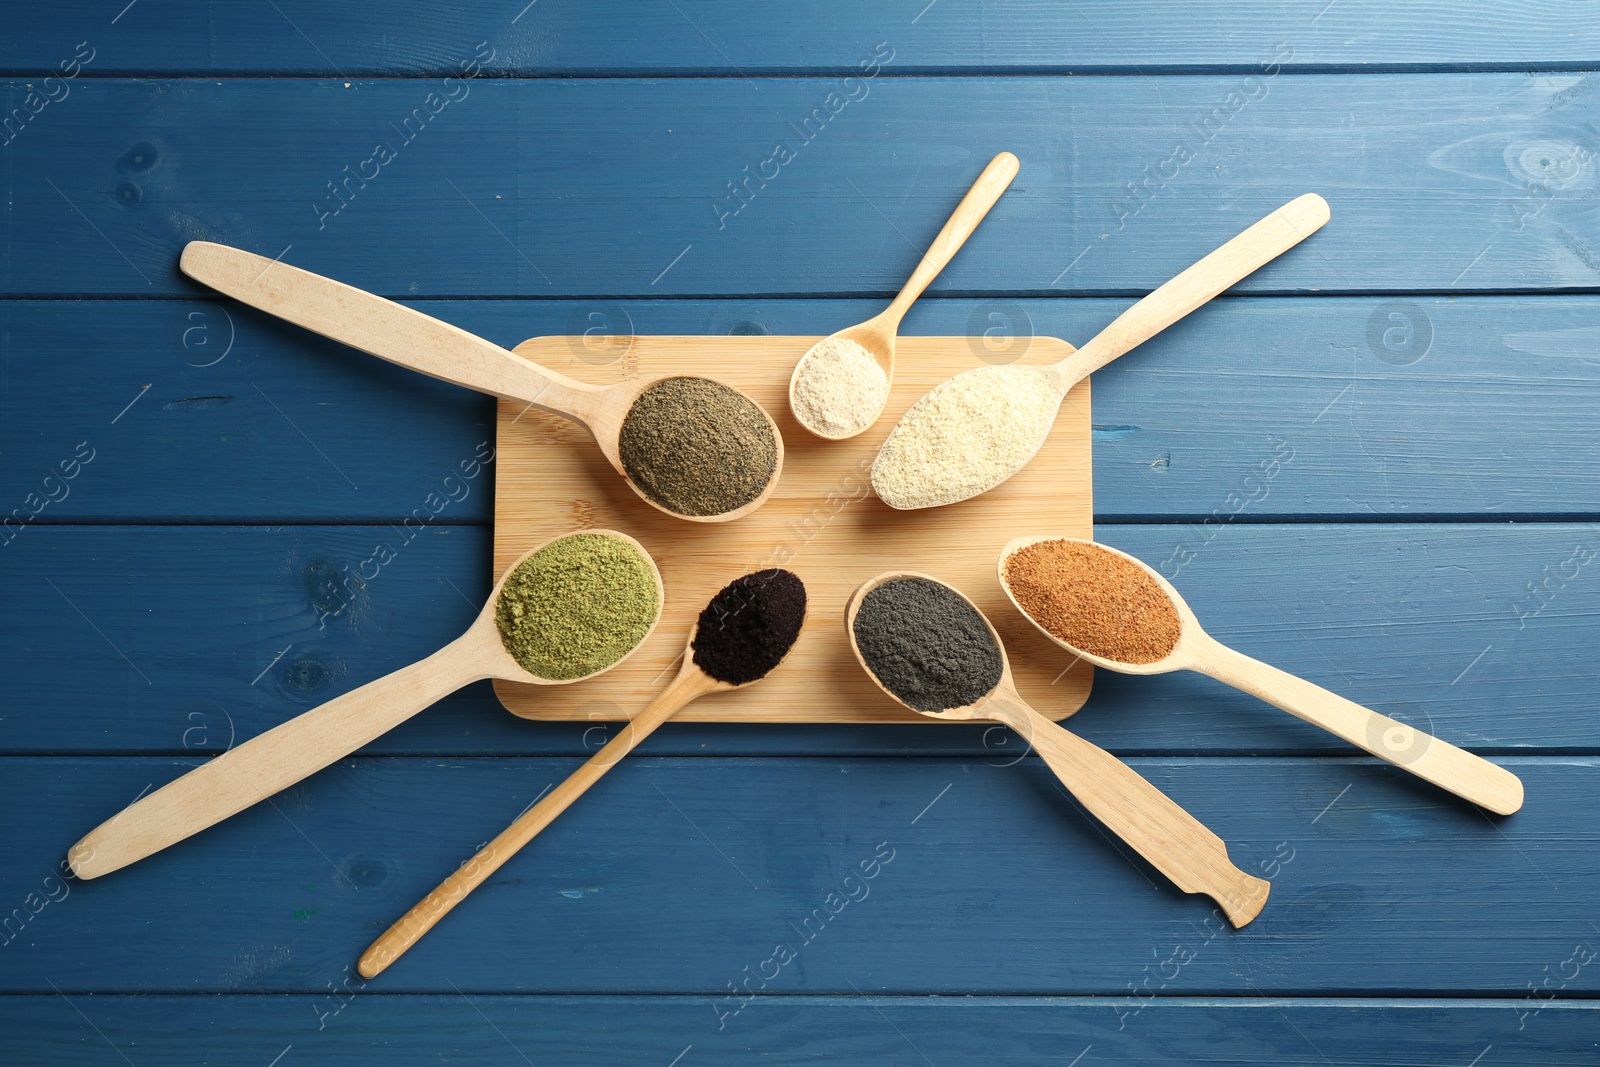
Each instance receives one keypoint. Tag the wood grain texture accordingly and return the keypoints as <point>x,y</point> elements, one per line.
<point>1428,757</point>
<point>729,39</point>
<point>1198,284</point>
<point>822,522</point>
<point>240,629</point>
<point>1148,821</point>
<point>1438,197</point>
<point>690,684</point>
<point>1001,886</point>
<point>1473,407</point>
<point>870,1030</point>
<point>1424,415</point>
<point>877,334</point>
<point>269,763</point>
<point>430,346</point>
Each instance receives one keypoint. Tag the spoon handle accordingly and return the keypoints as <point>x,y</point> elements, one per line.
<point>408,930</point>
<point>270,762</point>
<point>1228,265</point>
<point>1175,842</point>
<point>383,328</point>
<point>993,182</point>
<point>1457,770</point>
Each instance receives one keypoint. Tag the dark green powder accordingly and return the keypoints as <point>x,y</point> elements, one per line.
<point>696,447</point>
<point>926,645</point>
<point>577,606</point>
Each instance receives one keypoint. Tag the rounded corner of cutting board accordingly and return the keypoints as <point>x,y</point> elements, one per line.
<point>823,522</point>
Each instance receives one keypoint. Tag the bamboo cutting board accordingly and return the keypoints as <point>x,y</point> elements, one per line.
<point>823,522</point>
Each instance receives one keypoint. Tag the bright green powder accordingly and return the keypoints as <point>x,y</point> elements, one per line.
<point>577,606</point>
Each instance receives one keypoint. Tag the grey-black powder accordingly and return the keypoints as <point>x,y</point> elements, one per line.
<point>697,447</point>
<point>926,645</point>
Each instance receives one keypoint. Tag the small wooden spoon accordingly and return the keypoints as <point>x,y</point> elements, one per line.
<point>411,339</point>
<point>1234,261</point>
<point>1175,842</point>
<point>691,684</point>
<point>1424,755</point>
<point>297,749</point>
<point>878,334</point>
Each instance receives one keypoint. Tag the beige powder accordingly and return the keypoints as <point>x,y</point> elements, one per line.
<point>965,436</point>
<point>839,388</point>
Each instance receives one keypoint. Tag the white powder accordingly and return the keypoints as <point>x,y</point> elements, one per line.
<point>839,388</point>
<point>965,436</point>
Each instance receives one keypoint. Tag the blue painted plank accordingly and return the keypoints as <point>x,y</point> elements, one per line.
<point>729,38</point>
<point>1452,182</point>
<point>366,1027</point>
<point>676,875</point>
<point>1477,633</point>
<point>1410,407</point>
<point>165,411</point>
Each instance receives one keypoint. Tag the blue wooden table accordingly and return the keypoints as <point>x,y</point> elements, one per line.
<point>184,482</point>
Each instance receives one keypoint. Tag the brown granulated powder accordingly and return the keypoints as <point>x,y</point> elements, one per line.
<point>1094,600</point>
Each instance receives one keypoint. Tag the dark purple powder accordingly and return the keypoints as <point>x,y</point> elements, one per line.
<point>750,626</point>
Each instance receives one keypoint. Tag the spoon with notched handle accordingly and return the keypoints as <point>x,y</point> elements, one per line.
<point>1175,842</point>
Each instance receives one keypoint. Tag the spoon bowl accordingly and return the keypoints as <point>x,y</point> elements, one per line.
<point>1451,768</point>
<point>878,334</point>
<point>1187,651</point>
<point>1175,842</point>
<point>407,337</point>
<point>926,463</point>
<point>690,684</point>
<point>294,750</point>
<point>966,713</point>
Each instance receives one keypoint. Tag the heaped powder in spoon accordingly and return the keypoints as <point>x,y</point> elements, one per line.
<point>1094,600</point>
<point>839,388</point>
<point>926,645</point>
<point>965,436</point>
<point>750,626</point>
<point>577,606</point>
<point>696,447</point>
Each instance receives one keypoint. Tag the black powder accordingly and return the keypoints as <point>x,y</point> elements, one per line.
<point>696,447</point>
<point>750,626</point>
<point>926,645</point>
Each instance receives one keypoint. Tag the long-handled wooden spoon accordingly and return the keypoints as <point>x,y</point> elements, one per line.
<point>692,682</point>
<point>294,750</point>
<point>1424,755</point>
<point>877,335</point>
<point>1175,842</point>
<point>930,459</point>
<point>405,336</point>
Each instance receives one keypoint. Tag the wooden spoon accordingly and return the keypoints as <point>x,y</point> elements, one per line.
<point>690,684</point>
<point>1175,842</point>
<point>294,750</point>
<point>1250,250</point>
<point>405,336</point>
<point>1425,756</point>
<point>877,335</point>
